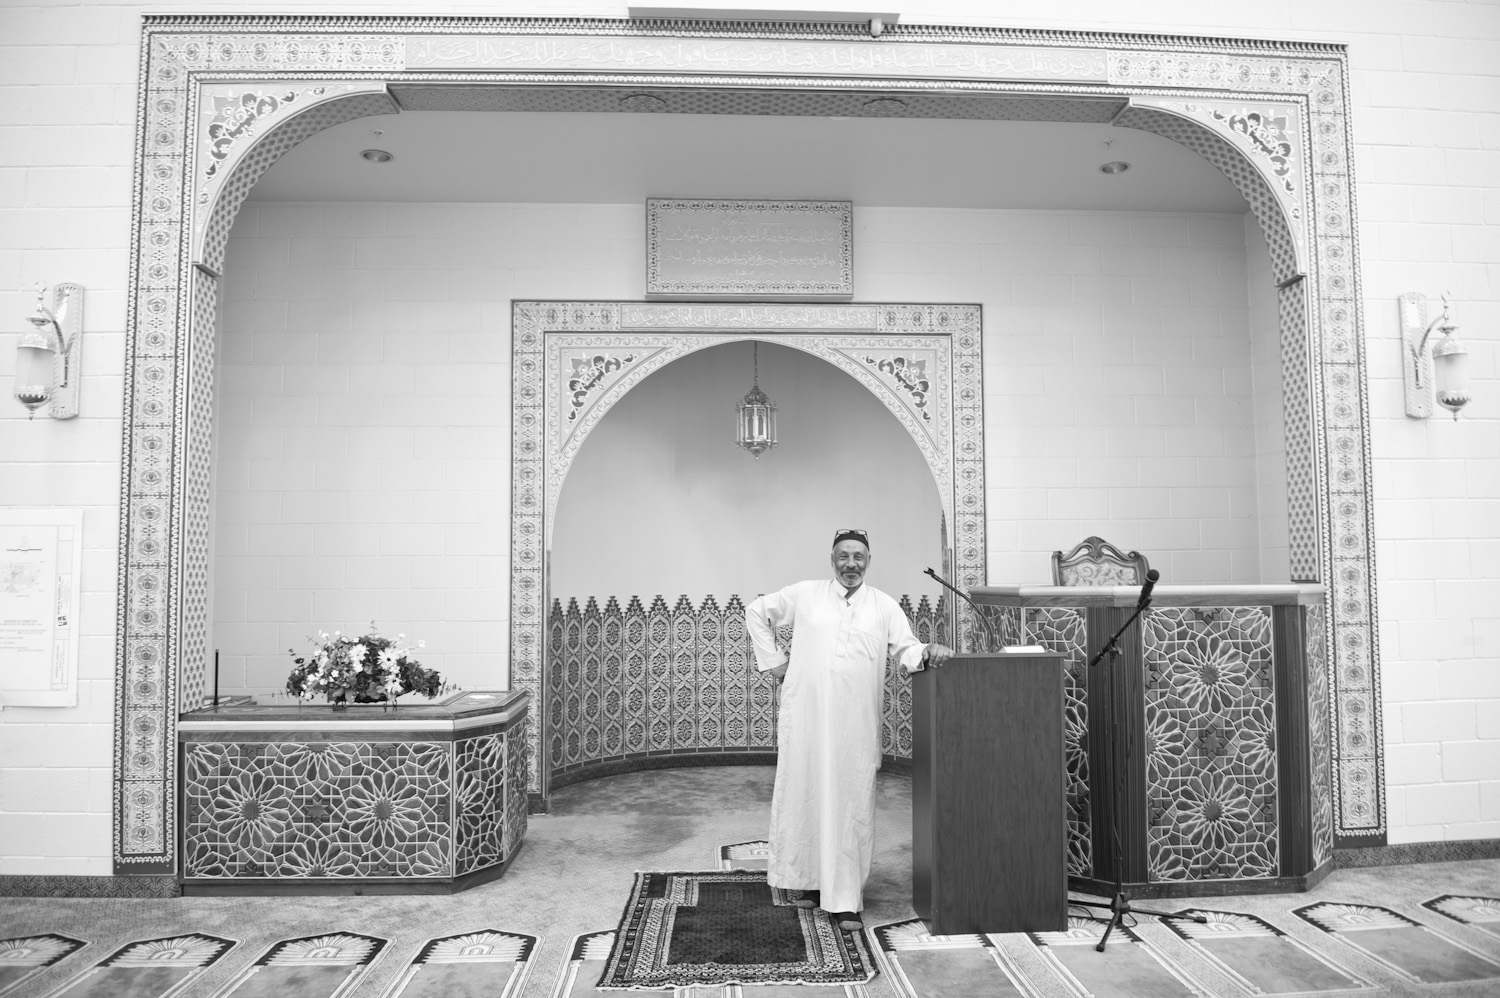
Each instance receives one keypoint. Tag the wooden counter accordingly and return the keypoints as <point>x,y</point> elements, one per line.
<point>423,798</point>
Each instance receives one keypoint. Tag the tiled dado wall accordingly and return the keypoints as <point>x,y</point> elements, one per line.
<point>632,682</point>
<point>363,422</point>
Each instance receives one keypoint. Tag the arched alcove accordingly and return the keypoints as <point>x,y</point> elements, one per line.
<point>192,62</point>
<point>659,497</point>
<point>664,530</point>
<point>579,359</point>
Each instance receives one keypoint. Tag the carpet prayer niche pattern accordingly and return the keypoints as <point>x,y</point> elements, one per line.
<point>1446,945</point>
<point>25,957</point>
<point>148,968</point>
<point>322,966</point>
<point>1415,952</point>
<point>1354,948</point>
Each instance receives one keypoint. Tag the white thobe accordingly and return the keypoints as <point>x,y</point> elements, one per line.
<point>828,736</point>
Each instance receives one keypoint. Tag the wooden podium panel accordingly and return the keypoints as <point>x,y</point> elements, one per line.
<point>989,795</point>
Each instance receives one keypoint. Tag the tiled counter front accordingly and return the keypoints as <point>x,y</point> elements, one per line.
<point>307,800</point>
<point>1219,721</point>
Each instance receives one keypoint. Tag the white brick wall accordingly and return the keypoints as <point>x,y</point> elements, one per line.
<point>1117,380</point>
<point>1426,114</point>
<point>364,401</point>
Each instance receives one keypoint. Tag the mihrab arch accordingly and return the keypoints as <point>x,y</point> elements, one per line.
<point>221,97</point>
<point>579,358</point>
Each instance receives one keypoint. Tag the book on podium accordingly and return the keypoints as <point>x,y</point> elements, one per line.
<point>989,794</point>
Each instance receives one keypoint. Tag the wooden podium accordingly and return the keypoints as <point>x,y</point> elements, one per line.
<point>989,795</point>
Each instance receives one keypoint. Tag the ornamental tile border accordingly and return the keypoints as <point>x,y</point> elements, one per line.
<point>194,68</point>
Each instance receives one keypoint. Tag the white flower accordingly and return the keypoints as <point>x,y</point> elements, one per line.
<point>389,657</point>
<point>357,653</point>
<point>421,644</point>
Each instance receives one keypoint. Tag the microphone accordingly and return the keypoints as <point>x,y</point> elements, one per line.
<point>1151,577</point>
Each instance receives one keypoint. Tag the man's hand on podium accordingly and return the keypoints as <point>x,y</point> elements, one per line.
<point>936,654</point>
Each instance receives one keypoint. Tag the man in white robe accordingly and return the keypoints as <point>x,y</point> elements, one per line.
<point>828,736</point>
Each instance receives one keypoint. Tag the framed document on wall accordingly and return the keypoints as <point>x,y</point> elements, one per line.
<point>718,249</point>
<point>41,556</point>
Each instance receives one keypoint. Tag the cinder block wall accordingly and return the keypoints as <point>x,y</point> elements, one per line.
<point>1425,88</point>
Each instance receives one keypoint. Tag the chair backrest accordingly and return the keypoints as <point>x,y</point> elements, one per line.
<point>1096,562</point>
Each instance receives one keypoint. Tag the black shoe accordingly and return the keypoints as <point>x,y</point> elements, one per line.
<point>849,921</point>
<point>806,899</point>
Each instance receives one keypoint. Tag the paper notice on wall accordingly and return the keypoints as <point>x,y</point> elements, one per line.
<point>40,558</point>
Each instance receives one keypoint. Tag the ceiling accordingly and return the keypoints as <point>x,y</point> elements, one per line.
<point>620,158</point>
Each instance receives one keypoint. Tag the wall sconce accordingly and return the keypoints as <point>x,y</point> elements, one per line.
<point>1441,372</point>
<point>48,354</point>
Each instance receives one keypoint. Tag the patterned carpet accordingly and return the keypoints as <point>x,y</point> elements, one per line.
<point>544,930</point>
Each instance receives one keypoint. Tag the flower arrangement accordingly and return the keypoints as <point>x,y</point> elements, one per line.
<point>365,669</point>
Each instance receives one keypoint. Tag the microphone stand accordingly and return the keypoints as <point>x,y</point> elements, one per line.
<point>983,620</point>
<point>1119,904</point>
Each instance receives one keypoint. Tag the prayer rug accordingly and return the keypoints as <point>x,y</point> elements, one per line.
<point>709,929</point>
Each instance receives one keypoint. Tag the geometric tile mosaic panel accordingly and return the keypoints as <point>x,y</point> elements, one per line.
<point>1260,958</point>
<point>479,791</point>
<point>150,968</point>
<point>24,957</point>
<point>318,809</point>
<point>1415,952</point>
<point>1319,732</point>
<point>1062,630</point>
<point>1210,743</point>
<point>626,681</point>
<point>483,962</point>
<point>328,965</point>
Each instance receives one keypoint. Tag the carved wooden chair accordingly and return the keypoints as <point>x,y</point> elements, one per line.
<point>1096,562</point>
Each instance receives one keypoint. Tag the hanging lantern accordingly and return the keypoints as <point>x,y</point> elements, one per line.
<point>755,422</point>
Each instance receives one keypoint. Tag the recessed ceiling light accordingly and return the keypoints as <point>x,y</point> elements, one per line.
<point>376,156</point>
<point>1118,166</point>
